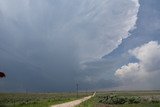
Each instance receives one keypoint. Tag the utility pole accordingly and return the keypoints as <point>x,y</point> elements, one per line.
<point>77,89</point>
<point>86,92</point>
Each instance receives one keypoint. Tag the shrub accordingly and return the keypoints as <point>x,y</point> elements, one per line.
<point>114,99</point>
<point>134,100</point>
<point>153,100</point>
<point>122,100</point>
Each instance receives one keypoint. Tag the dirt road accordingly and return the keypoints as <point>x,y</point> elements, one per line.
<point>74,103</point>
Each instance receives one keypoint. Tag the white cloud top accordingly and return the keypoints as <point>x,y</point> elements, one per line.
<point>128,70</point>
<point>146,69</point>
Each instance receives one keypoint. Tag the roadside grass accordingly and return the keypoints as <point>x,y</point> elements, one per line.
<point>37,104</point>
<point>47,99</point>
<point>89,103</point>
<point>138,105</point>
<point>130,98</point>
<point>36,99</point>
<point>93,103</point>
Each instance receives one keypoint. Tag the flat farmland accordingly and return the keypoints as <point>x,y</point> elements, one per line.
<point>124,99</point>
<point>37,99</point>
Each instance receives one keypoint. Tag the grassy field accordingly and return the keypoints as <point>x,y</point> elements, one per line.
<point>90,103</point>
<point>139,105</point>
<point>36,99</point>
<point>102,99</point>
<point>126,98</point>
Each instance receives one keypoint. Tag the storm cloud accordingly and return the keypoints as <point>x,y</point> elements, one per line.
<point>46,44</point>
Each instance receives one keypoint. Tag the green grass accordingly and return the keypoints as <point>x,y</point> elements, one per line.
<point>47,99</point>
<point>94,102</point>
<point>36,99</point>
<point>37,104</point>
<point>89,103</point>
<point>138,105</point>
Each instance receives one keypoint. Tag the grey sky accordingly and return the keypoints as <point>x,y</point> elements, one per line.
<point>50,45</point>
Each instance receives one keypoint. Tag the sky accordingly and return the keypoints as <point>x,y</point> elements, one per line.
<point>51,45</point>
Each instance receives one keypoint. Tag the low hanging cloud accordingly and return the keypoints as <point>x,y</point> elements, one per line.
<point>146,70</point>
<point>52,38</point>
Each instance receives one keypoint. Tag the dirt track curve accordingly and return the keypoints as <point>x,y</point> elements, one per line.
<point>74,103</point>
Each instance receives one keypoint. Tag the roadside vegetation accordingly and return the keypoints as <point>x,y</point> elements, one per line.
<point>124,99</point>
<point>115,99</point>
<point>101,99</point>
<point>89,103</point>
<point>36,99</point>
